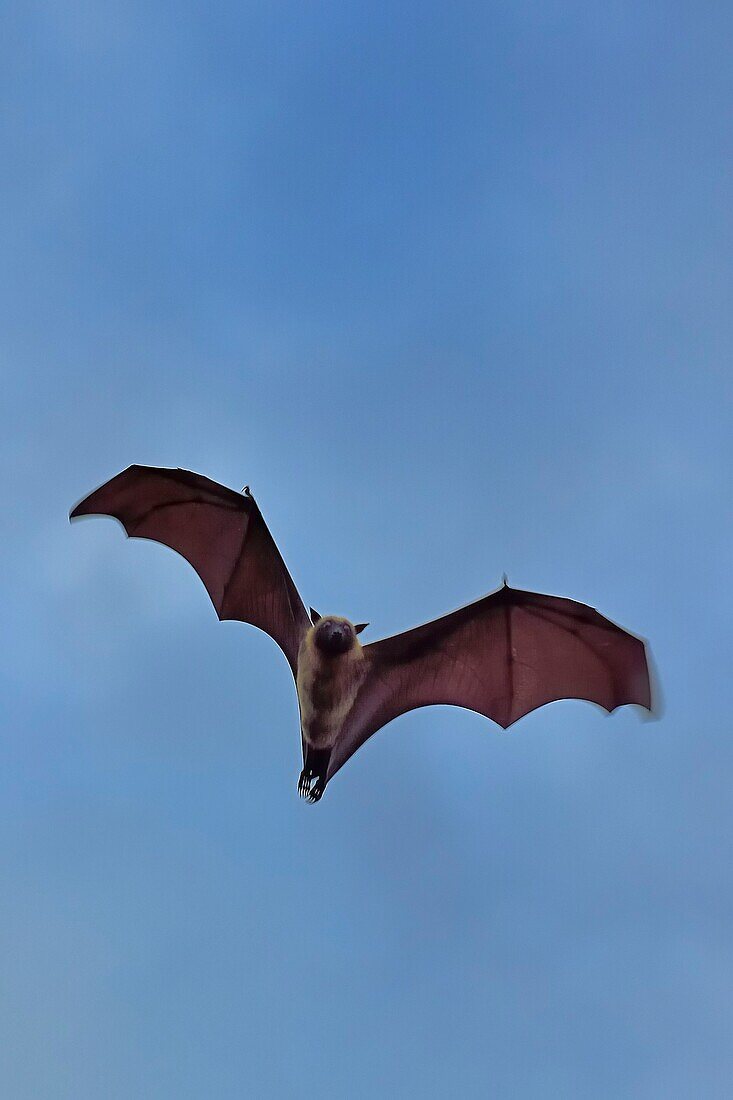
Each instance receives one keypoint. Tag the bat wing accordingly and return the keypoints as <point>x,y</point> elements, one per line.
<point>502,656</point>
<point>223,536</point>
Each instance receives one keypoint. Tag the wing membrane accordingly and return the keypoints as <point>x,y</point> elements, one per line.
<point>502,656</point>
<point>221,533</point>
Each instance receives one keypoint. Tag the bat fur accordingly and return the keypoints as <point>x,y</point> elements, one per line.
<point>331,669</point>
<point>327,683</point>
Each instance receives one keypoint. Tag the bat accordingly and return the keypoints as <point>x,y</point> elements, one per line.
<point>503,655</point>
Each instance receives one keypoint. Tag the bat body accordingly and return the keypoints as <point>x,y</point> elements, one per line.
<point>502,656</point>
<point>328,680</point>
<point>331,669</point>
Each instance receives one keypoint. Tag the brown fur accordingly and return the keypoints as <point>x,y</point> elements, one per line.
<point>327,687</point>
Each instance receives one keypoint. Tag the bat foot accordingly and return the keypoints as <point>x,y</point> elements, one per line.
<point>316,791</point>
<point>310,786</point>
<point>304,783</point>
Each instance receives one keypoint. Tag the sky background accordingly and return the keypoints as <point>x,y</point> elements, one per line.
<point>449,285</point>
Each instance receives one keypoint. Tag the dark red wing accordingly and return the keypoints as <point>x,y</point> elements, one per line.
<point>502,656</point>
<point>221,533</point>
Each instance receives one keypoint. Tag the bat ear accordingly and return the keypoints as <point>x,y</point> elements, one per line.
<point>359,627</point>
<point>315,617</point>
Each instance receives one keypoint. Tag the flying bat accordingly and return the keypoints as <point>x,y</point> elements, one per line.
<point>503,655</point>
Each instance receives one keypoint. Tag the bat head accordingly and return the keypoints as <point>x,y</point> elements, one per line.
<point>335,635</point>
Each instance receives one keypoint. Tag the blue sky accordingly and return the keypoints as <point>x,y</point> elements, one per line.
<point>450,287</point>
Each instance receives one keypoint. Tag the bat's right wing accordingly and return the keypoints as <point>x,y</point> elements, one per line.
<point>502,656</point>
<point>223,536</point>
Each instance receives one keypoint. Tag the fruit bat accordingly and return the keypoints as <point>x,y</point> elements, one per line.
<point>502,656</point>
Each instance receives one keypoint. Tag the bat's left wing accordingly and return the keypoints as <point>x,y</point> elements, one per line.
<point>502,656</point>
<point>224,537</point>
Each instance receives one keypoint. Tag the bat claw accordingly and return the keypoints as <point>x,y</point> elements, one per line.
<point>310,786</point>
<point>316,791</point>
<point>304,783</point>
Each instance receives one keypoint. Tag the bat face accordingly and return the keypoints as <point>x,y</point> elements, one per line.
<point>334,635</point>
